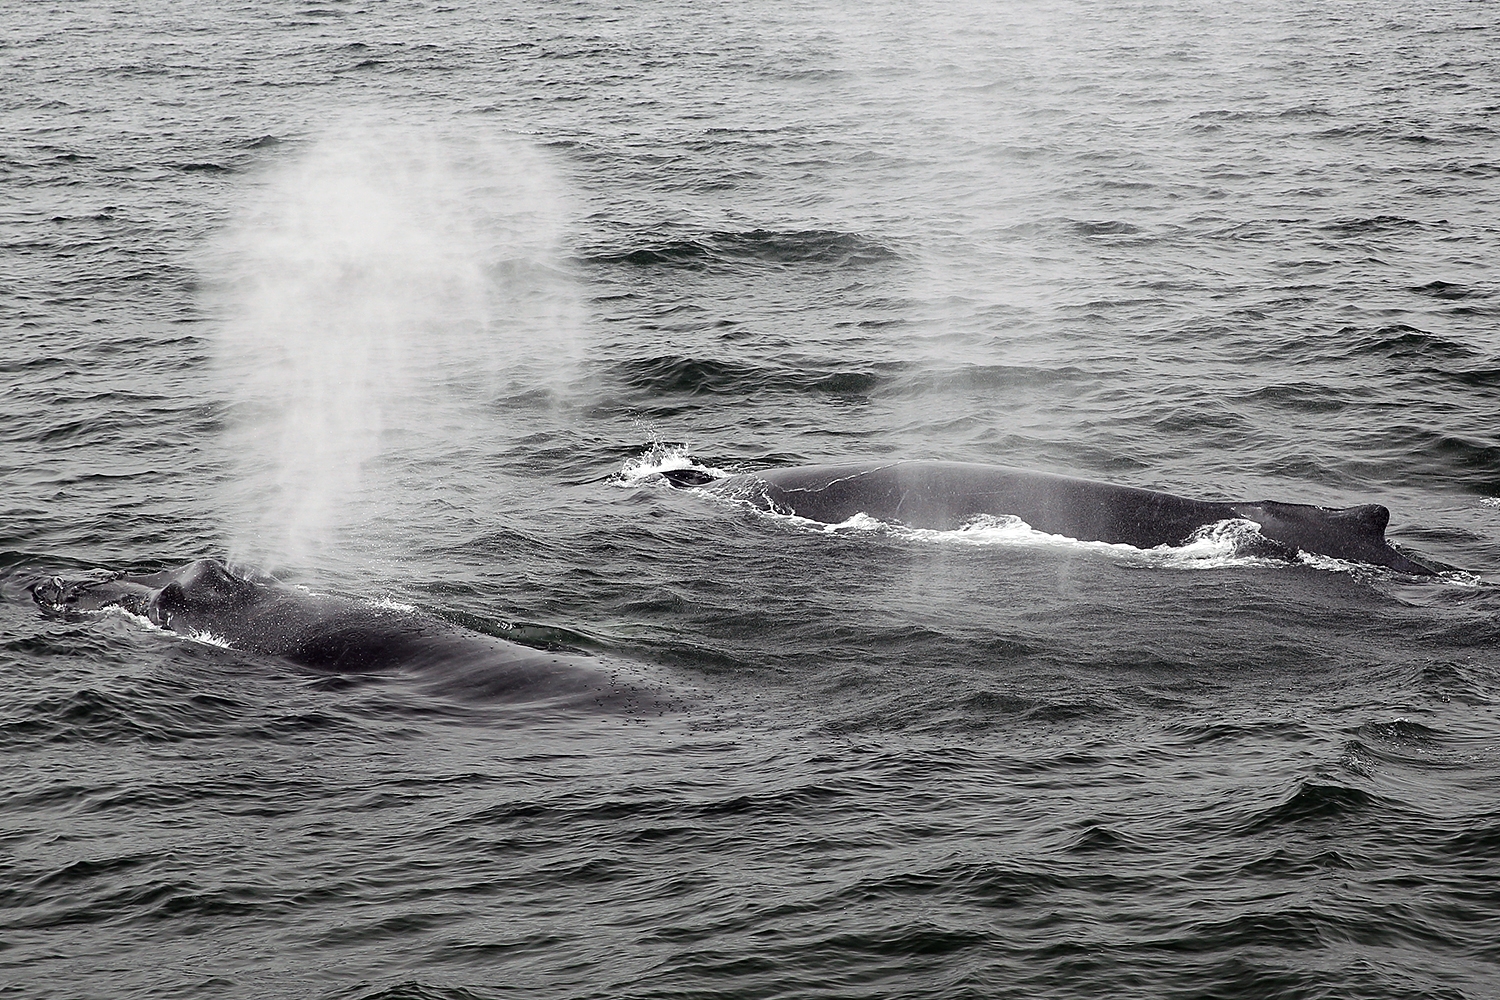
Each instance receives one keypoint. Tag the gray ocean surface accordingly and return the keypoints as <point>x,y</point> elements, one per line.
<point>406,301</point>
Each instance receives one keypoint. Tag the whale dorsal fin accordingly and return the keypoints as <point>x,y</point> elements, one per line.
<point>1367,518</point>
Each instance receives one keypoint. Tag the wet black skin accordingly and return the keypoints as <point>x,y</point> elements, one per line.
<point>349,636</point>
<point>947,495</point>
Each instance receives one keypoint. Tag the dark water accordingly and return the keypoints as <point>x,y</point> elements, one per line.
<point>401,300</point>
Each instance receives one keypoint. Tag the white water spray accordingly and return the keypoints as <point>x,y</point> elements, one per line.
<point>379,292</point>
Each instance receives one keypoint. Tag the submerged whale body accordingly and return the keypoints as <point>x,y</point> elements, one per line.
<point>205,599</point>
<point>947,495</point>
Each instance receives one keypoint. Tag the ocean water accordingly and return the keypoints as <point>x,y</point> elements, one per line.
<point>406,302</point>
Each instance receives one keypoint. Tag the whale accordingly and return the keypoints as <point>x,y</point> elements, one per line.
<point>206,600</point>
<point>948,495</point>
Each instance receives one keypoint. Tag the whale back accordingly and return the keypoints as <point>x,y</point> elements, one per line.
<point>948,495</point>
<point>322,631</point>
<point>206,600</point>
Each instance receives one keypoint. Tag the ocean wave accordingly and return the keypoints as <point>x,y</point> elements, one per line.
<point>1317,803</point>
<point>676,374</point>
<point>823,247</point>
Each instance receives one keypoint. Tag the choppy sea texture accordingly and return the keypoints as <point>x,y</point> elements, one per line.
<point>400,300</point>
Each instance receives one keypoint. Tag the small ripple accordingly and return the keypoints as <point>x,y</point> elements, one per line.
<point>1196,734</point>
<point>1406,343</point>
<point>91,716</point>
<point>981,377</point>
<point>1317,803</point>
<point>1371,224</point>
<point>1096,839</point>
<point>674,374</point>
<point>1282,863</point>
<point>1479,845</point>
<point>1470,460</point>
<point>763,246</point>
<point>1105,228</point>
<point>155,900</point>
<point>1303,397</point>
<point>1448,290</point>
<point>410,990</point>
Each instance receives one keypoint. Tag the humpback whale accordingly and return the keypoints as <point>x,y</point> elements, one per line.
<point>205,599</point>
<point>948,495</point>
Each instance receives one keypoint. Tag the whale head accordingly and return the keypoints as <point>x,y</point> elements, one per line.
<point>202,586</point>
<point>91,594</point>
